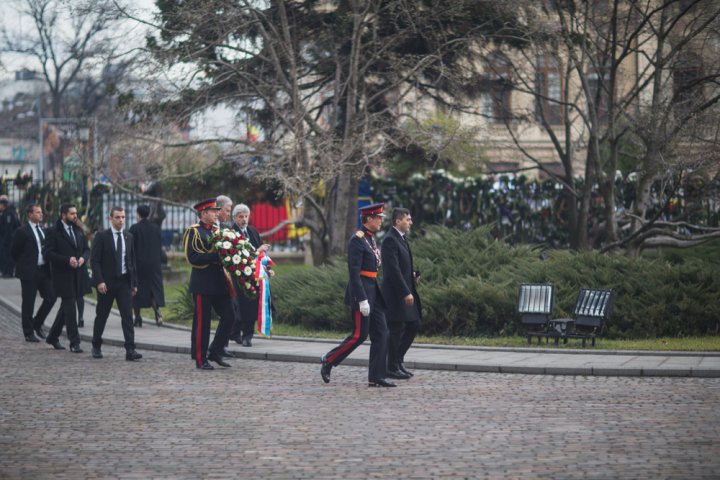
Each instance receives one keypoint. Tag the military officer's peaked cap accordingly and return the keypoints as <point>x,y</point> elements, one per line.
<point>206,204</point>
<point>376,210</point>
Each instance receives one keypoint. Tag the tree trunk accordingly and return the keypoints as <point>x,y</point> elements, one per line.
<point>343,211</point>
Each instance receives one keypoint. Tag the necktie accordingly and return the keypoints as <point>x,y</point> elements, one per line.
<point>40,239</point>
<point>118,254</point>
<point>244,233</point>
<point>72,235</point>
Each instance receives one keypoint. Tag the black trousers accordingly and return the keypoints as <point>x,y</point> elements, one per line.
<point>246,312</point>
<point>42,283</point>
<point>200,336</point>
<point>121,293</point>
<point>66,317</point>
<point>402,335</point>
<point>376,326</point>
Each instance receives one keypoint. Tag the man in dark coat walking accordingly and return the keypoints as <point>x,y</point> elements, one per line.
<point>33,272</point>
<point>9,222</point>
<point>399,291</point>
<point>365,300</point>
<point>67,250</point>
<point>246,308</point>
<point>114,277</point>
<point>148,253</point>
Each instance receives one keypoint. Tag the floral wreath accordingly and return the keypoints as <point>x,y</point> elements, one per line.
<point>239,258</point>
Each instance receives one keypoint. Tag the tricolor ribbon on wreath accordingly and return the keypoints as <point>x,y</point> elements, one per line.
<point>264,321</point>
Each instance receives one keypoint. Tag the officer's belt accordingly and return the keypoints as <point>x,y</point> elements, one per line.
<point>365,273</point>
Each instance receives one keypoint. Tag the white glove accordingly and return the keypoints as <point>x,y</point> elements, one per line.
<point>365,308</point>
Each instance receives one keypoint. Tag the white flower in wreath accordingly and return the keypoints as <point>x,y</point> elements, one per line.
<point>247,285</point>
<point>230,235</point>
<point>238,273</point>
<point>247,270</point>
<point>227,245</point>
<point>245,253</point>
<point>219,245</point>
<point>236,259</point>
<point>226,259</point>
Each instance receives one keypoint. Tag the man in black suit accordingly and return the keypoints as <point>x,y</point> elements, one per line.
<point>147,240</point>
<point>67,250</point>
<point>246,308</point>
<point>399,291</point>
<point>365,299</point>
<point>33,272</point>
<point>209,286</point>
<point>114,277</point>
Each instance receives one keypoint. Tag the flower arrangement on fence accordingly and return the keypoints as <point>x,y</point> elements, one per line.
<point>239,258</point>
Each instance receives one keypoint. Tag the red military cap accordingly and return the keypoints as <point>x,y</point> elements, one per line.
<point>209,203</point>
<point>376,209</point>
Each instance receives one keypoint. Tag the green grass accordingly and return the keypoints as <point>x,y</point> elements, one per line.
<point>706,343</point>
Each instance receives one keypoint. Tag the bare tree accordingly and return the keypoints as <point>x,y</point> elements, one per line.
<point>71,43</point>
<point>640,74</point>
<point>324,81</point>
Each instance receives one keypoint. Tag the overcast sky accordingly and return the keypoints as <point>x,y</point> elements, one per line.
<point>13,21</point>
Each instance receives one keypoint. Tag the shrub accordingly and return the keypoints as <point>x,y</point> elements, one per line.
<point>469,287</point>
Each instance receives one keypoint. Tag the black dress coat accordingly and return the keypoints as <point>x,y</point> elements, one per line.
<point>24,251</point>
<point>398,279</point>
<point>59,248</point>
<point>104,264</point>
<point>148,255</point>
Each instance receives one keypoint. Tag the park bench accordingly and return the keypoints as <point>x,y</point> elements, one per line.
<point>592,309</point>
<point>535,305</point>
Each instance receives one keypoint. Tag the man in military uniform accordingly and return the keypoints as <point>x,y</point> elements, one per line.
<point>210,287</point>
<point>364,298</point>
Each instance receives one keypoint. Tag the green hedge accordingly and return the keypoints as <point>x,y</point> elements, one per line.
<point>469,287</point>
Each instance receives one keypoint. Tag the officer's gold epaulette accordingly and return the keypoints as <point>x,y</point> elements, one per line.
<point>360,234</point>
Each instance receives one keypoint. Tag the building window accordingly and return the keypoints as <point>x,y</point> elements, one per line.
<point>548,86</point>
<point>598,85</point>
<point>688,84</point>
<point>498,86</point>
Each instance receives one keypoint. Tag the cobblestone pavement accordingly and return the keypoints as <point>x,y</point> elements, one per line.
<point>65,415</point>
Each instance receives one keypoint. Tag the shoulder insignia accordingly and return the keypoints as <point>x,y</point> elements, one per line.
<point>194,225</point>
<point>360,234</point>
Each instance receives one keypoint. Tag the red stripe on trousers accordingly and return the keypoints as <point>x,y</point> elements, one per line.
<point>198,333</point>
<point>353,340</point>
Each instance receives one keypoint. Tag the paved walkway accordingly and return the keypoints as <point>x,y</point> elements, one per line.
<point>432,357</point>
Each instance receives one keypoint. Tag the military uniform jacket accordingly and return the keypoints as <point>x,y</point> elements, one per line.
<point>363,259</point>
<point>207,276</point>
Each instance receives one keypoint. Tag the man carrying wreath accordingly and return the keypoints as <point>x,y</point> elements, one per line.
<point>209,286</point>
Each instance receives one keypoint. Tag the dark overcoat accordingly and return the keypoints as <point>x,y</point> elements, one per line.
<point>399,279</point>
<point>58,249</point>
<point>148,261</point>
<point>24,251</point>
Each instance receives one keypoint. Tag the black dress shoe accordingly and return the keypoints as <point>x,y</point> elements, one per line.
<point>237,340</point>
<point>381,383</point>
<point>81,323</point>
<point>247,343</point>
<point>325,371</point>
<point>55,344</point>
<point>158,318</point>
<point>398,375</point>
<point>138,322</point>
<point>76,349</point>
<point>229,354</point>
<point>96,353</point>
<point>132,355</point>
<point>205,365</point>
<point>39,333</point>
<point>406,371</point>
<point>218,359</point>
<point>31,338</point>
